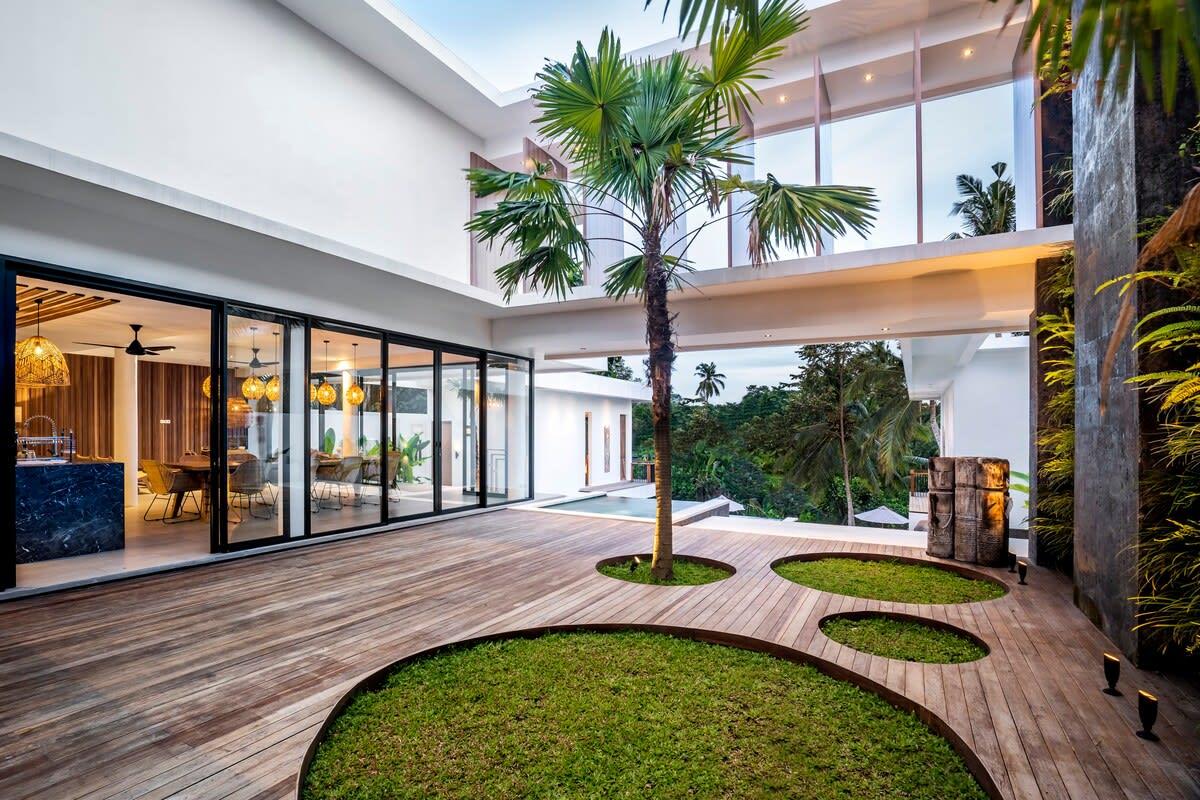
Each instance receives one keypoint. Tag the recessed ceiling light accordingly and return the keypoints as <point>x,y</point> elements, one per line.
<point>870,76</point>
<point>766,336</point>
<point>783,98</point>
<point>583,348</point>
<point>968,52</point>
<point>885,330</point>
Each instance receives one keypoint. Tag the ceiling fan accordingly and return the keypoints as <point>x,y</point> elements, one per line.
<point>255,362</point>
<point>134,348</point>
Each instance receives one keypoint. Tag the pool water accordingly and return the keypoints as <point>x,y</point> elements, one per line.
<point>619,506</point>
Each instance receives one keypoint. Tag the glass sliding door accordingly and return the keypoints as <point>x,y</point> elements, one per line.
<point>410,422</point>
<point>458,437</point>
<point>346,464</point>
<point>507,464</point>
<point>264,433</point>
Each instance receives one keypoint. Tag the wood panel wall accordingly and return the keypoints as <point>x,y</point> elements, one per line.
<point>171,391</point>
<point>165,391</point>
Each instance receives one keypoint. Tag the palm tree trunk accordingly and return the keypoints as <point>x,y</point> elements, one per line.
<point>842,442</point>
<point>660,338</point>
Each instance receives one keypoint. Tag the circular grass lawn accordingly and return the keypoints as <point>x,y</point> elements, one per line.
<point>629,714</point>
<point>903,639</point>
<point>891,580</point>
<point>686,571</point>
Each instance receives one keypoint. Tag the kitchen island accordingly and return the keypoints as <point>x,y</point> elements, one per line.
<point>67,508</point>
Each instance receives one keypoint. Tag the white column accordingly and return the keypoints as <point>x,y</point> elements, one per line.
<point>125,420</point>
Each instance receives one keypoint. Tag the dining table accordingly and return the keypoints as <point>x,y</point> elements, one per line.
<point>201,467</point>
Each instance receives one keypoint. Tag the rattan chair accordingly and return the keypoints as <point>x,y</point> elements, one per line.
<point>165,483</point>
<point>247,482</point>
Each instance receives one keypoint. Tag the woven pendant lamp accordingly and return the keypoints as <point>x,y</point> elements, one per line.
<point>39,362</point>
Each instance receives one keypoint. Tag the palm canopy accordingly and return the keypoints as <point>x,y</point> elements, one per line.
<point>647,142</point>
<point>712,383</point>
<point>986,209</point>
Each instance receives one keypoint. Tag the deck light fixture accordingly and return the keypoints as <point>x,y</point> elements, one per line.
<point>1012,562</point>
<point>39,362</point>
<point>1148,714</point>
<point>325,394</point>
<point>1112,673</point>
<point>633,565</point>
<point>1022,571</point>
<point>354,393</point>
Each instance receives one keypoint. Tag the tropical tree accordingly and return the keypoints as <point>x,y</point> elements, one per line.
<point>617,368</point>
<point>1154,35</point>
<point>853,420</point>
<point>648,141</point>
<point>711,382</point>
<point>986,209</point>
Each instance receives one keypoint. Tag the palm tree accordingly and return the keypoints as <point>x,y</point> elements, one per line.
<point>856,419</point>
<point>986,210</point>
<point>647,142</point>
<point>711,381</point>
<point>1121,29</point>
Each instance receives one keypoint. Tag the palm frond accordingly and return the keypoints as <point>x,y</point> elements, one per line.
<point>797,216</point>
<point>584,104</point>
<point>739,55</point>
<point>628,276</point>
<point>703,15</point>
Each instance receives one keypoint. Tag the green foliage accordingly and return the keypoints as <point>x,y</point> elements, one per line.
<point>686,573</point>
<point>329,441</point>
<point>1055,334</point>
<point>585,715</point>
<point>902,639</point>
<point>1168,340</point>
<point>711,381</point>
<point>412,455</point>
<point>744,449</point>
<point>892,581</point>
<point>986,209</point>
<point>617,368</point>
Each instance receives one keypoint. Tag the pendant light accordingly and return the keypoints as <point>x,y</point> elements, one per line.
<point>354,393</point>
<point>252,387</point>
<point>39,362</point>
<point>326,395</point>
<point>206,387</point>
<point>274,389</point>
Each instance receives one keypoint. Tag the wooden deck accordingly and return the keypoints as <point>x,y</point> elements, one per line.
<point>211,682</point>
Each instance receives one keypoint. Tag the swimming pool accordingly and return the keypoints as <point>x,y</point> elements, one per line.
<point>612,506</point>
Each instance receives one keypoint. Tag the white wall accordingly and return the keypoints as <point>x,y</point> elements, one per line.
<point>559,439</point>
<point>986,412</point>
<point>243,103</point>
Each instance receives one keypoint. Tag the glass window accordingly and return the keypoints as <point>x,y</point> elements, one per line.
<point>791,158</point>
<point>410,431</point>
<point>345,415</point>
<point>458,439</point>
<point>879,151</point>
<point>113,410</point>
<point>507,429</point>
<point>264,389</point>
<point>962,134</point>
<point>709,248</point>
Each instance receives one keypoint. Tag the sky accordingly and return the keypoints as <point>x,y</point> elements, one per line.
<point>506,41</point>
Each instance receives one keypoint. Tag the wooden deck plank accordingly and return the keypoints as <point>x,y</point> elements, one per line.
<point>211,682</point>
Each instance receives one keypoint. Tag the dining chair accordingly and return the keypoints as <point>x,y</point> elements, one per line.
<point>247,481</point>
<point>165,483</point>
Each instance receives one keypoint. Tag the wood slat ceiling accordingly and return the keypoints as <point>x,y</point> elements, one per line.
<point>56,303</point>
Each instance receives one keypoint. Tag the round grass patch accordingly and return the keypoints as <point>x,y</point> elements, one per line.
<point>626,715</point>
<point>891,580</point>
<point>903,639</point>
<point>688,571</point>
